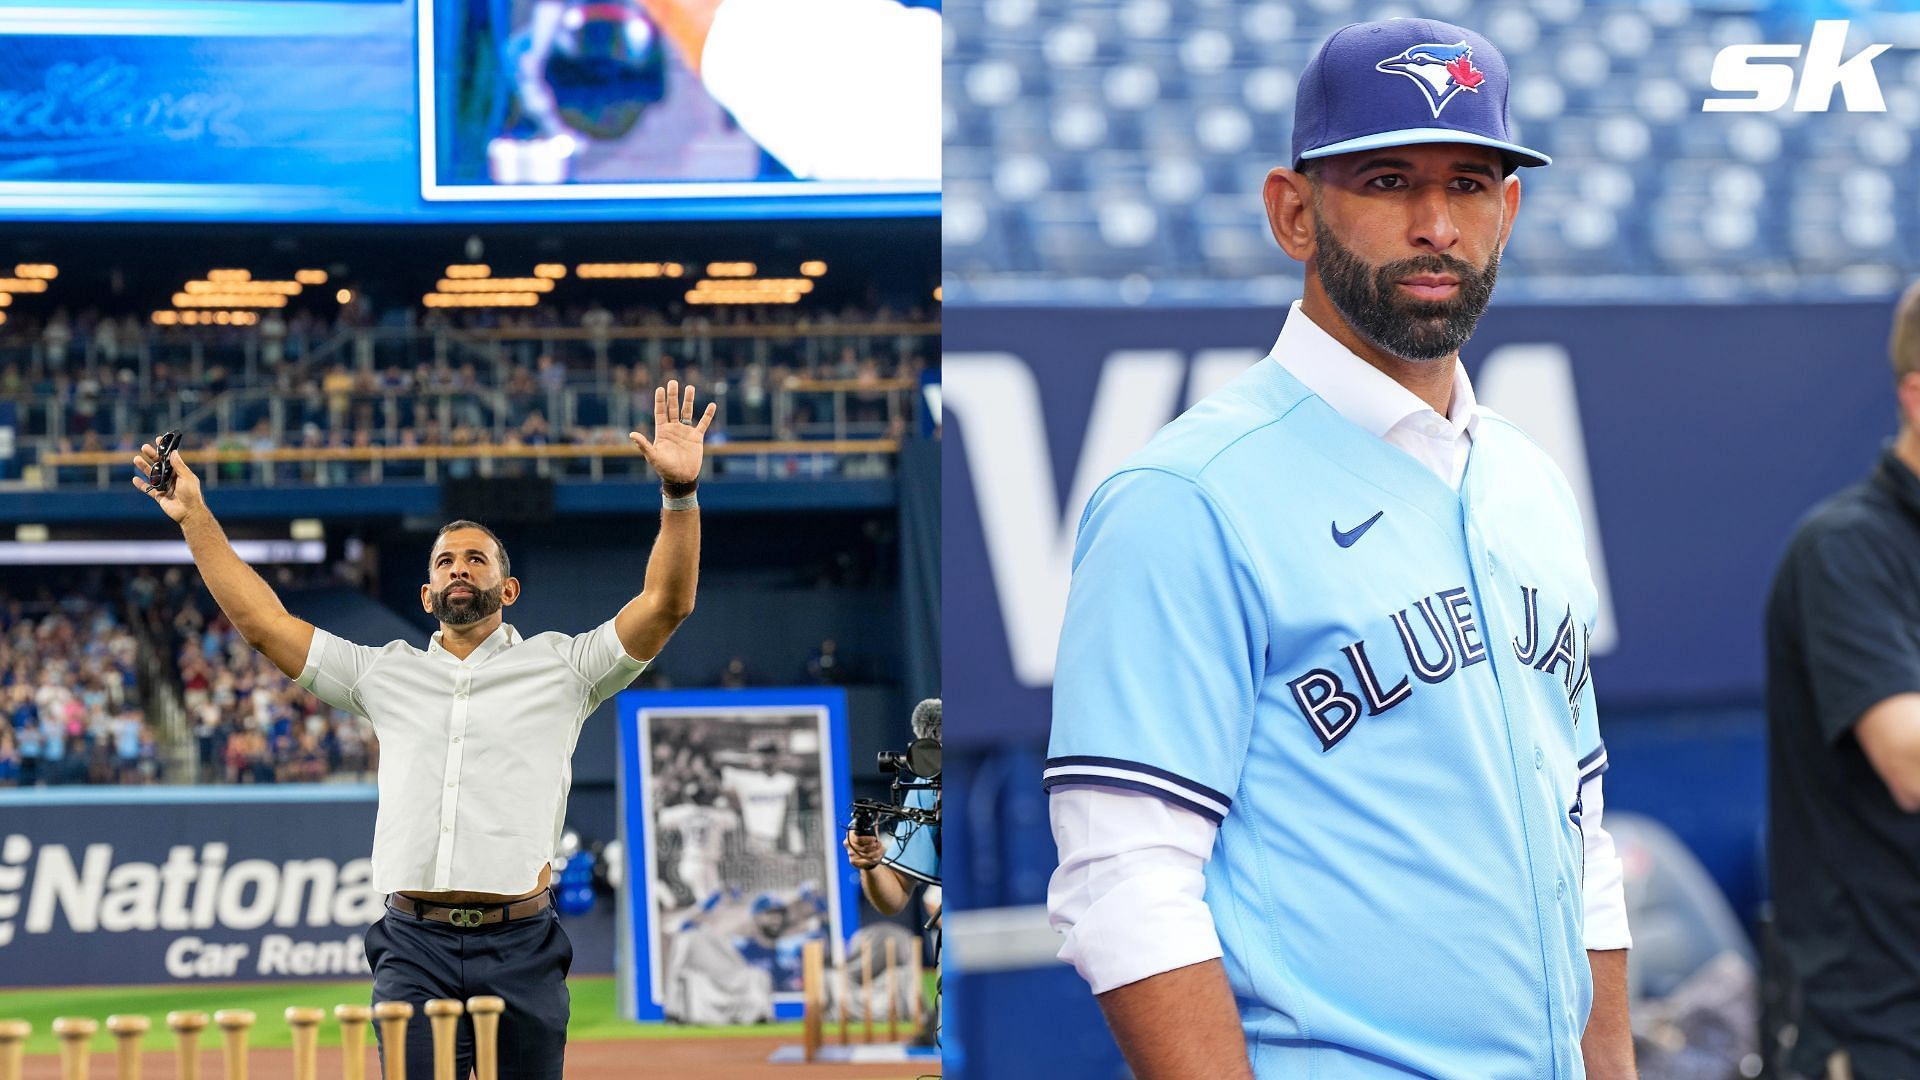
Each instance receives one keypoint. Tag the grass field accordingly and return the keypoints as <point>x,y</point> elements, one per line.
<point>593,1011</point>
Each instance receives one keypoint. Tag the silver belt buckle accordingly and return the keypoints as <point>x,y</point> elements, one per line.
<point>464,917</point>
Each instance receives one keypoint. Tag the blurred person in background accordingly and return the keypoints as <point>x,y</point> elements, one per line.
<point>909,856</point>
<point>1843,724</point>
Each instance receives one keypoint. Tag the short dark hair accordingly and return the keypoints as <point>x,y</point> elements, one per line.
<point>506,565</point>
<point>1904,348</point>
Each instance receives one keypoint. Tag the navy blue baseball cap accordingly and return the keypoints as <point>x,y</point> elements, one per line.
<point>1403,82</point>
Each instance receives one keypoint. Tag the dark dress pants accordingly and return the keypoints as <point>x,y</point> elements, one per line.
<point>523,962</point>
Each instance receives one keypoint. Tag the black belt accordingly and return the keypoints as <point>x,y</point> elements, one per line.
<point>471,915</point>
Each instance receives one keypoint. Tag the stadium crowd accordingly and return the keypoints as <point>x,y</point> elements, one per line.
<point>73,711</point>
<point>71,678</point>
<point>76,695</point>
<point>249,723</point>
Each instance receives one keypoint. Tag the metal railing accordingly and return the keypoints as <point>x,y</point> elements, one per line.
<point>758,459</point>
<point>251,354</point>
<point>263,379</point>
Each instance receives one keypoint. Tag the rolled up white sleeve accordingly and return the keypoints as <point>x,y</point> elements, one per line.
<point>836,89</point>
<point>1605,889</point>
<point>603,663</point>
<point>334,669</point>
<point>1129,892</point>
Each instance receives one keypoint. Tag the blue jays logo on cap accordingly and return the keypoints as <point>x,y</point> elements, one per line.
<point>1343,106</point>
<point>1440,71</point>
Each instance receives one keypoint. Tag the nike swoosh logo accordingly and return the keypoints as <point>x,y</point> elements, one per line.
<point>1347,539</point>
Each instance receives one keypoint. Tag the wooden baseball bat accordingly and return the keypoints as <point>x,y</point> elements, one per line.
<point>393,1017</point>
<point>486,1011</point>
<point>305,1023</point>
<point>812,986</point>
<point>187,1025</point>
<point>353,1039</point>
<point>13,1047</point>
<point>233,1024</point>
<point>127,1031</point>
<point>75,1032</point>
<point>444,1015</point>
<point>917,980</point>
<point>866,988</point>
<point>893,989</point>
<point>845,995</point>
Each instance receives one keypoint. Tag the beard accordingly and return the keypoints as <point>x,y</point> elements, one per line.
<point>1369,298</point>
<point>467,609</point>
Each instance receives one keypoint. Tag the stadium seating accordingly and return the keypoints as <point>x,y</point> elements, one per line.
<point>106,384</point>
<point>68,681</point>
<point>1098,139</point>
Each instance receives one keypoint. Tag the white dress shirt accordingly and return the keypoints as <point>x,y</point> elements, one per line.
<point>476,755</point>
<point>1129,891</point>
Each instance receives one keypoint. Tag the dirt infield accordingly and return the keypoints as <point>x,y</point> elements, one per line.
<point>729,1058</point>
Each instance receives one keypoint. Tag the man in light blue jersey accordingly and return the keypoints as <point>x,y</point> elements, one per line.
<point>1325,765</point>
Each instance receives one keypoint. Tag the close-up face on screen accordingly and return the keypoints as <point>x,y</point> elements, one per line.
<point>1428,553</point>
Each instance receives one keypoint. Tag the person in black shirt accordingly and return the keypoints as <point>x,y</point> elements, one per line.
<point>1843,718</point>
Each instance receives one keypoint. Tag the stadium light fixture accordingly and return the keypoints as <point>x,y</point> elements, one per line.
<point>481,299</point>
<point>505,284</point>
<point>228,300</point>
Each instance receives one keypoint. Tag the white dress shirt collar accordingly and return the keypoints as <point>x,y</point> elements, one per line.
<point>502,636</point>
<point>1358,391</point>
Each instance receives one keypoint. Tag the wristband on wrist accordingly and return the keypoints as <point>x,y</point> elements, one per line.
<point>684,502</point>
<point>673,489</point>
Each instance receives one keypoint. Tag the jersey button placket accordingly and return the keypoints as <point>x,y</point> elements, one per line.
<point>456,731</point>
<point>1483,564</point>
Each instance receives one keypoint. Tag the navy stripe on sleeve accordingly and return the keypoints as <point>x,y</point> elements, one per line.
<point>1140,767</point>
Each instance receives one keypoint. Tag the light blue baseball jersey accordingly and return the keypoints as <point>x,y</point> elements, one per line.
<point>1378,688</point>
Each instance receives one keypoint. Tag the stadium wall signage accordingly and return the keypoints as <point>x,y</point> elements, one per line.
<point>138,886</point>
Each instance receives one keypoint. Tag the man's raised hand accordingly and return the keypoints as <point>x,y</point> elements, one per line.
<point>677,446</point>
<point>180,500</point>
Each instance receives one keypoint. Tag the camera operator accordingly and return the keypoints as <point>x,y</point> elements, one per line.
<point>891,866</point>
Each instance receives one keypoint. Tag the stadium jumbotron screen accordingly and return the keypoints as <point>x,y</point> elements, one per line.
<point>392,110</point>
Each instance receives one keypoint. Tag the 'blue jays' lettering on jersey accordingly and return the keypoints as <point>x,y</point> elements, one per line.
<point>1378,688</point>
<point>1452,638</point>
